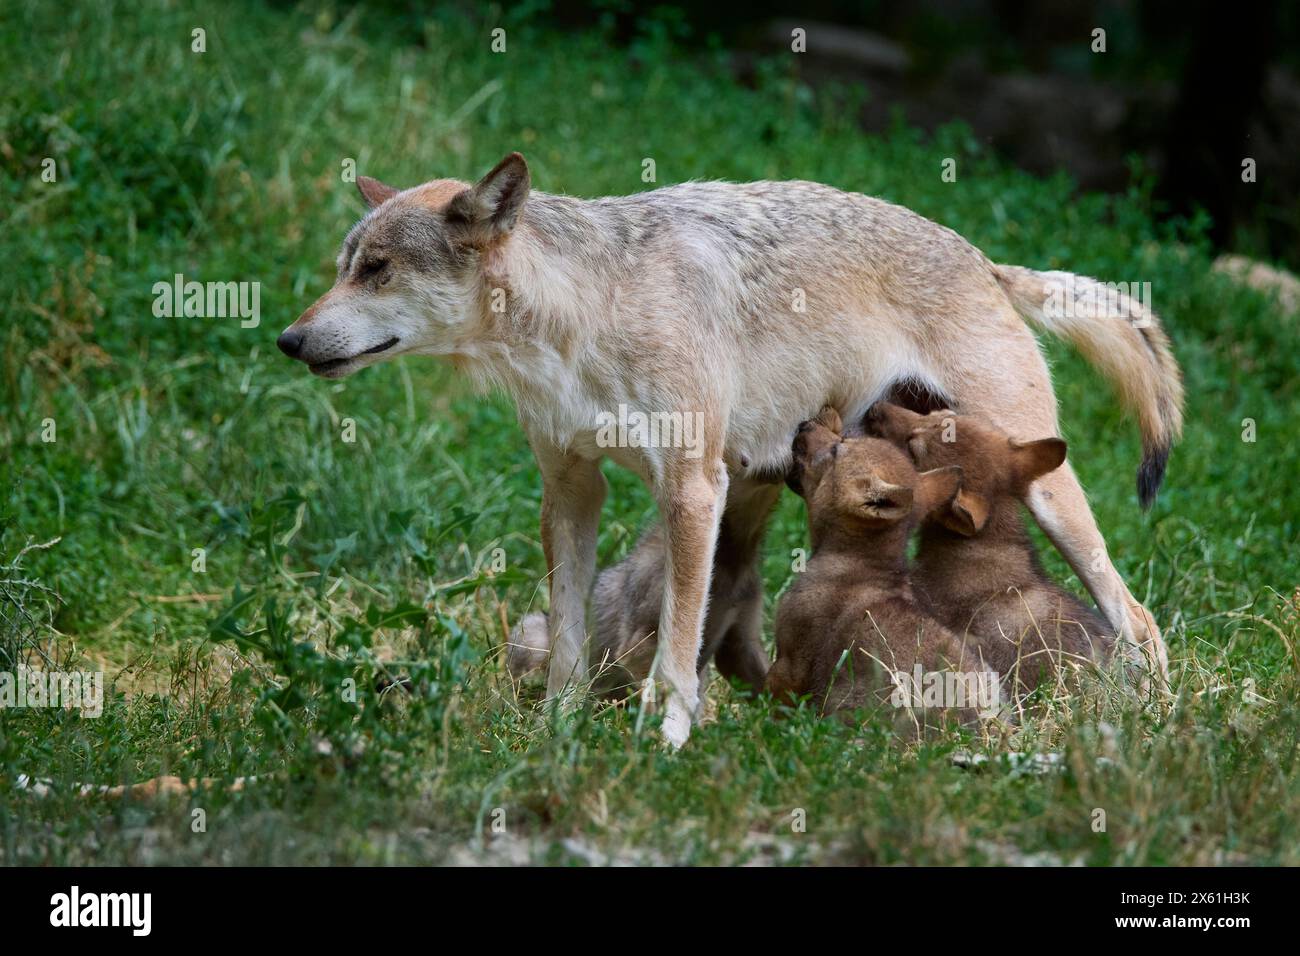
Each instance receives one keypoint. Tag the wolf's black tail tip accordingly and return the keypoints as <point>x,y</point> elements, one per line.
<point>1151,473</point>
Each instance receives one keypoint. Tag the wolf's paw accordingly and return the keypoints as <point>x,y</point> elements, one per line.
<point>677,722</point>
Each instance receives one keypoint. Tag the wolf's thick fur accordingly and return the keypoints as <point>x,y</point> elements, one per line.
<point>752,305</point>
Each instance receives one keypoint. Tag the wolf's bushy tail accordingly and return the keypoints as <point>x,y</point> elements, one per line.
<point>1123,338</point>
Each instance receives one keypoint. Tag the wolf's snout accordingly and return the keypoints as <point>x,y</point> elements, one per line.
<point>290,343</point>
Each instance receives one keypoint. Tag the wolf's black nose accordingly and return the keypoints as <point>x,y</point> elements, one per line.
<point>290,342</point>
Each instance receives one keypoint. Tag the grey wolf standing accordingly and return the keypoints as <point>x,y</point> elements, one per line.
<point>750,306</point>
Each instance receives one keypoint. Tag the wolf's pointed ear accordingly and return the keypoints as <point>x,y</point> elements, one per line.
<point>936,488</point>
<point>489,210</point>
<point>1033,459</point>
<point>966,514</point>
<point>828,417</point>
<point>373,191</point>
<point>888,502</point>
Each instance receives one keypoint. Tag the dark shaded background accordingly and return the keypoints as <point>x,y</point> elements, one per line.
<point>1184,93</point>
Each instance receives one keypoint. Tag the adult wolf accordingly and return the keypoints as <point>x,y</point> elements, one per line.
<point>752,305</point>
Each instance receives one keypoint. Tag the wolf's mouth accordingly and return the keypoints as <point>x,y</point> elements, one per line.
<point>324,368</point>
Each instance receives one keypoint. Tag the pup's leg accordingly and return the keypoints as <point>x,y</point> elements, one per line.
<point>573,490</point>
<point>742,655</point>
<point>691,502</point>
<point>1006,380</point>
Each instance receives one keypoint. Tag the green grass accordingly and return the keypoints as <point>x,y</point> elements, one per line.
<point>329,561</point>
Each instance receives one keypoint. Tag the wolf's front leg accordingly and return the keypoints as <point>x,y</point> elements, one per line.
<point>691,505</point>
<point>573,490</point>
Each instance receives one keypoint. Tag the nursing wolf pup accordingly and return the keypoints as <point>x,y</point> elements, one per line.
<point>748,305</point>
<point>626,603</point>
<point>976,566</point>
<point>850,632</point>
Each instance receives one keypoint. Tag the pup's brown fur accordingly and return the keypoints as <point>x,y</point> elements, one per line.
<point>851,622</point>
<point>977,568</point>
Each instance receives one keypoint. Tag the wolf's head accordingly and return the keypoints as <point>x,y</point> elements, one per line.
<point>994,465</point>
<point>860,485</point>
<point>411,273</point>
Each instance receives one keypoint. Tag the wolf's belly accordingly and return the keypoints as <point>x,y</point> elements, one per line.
<point>760,435</point>
<point>770,394</point>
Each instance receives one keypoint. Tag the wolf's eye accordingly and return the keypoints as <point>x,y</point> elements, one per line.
<point>372,268</point>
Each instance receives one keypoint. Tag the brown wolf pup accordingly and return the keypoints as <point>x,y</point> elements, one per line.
<point>977,567</point>
<point>850,632</point>
<point>626,602</point>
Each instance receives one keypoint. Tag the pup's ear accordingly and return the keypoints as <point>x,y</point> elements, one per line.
<point>966,514</point>
<point>888,502</point>
<point>935,488</point>
<point>373,191</point>
<point>1033,459</point>
<point>489,210</point>
<point>828,417</point>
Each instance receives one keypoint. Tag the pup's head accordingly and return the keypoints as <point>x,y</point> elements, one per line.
<point>993,464</point>
<point>862,483</point>
<point>410,275</point>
